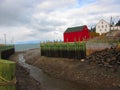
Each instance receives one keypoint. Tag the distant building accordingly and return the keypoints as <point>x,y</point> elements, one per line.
<point>102,27</point>
<point>74,34</point>
<point>116,26</point>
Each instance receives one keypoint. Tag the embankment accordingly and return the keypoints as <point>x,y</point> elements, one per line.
<point>94,76</point>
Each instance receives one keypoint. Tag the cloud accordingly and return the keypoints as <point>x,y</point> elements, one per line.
<point>15,12</point>
<point>53,5</point>
<point>41,20</point>
<point>18,33</point>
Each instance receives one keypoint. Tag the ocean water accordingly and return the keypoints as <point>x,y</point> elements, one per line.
<point>24,47</point>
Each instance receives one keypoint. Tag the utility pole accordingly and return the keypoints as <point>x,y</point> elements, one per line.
<point>110,23</point>
<point>5,38</point>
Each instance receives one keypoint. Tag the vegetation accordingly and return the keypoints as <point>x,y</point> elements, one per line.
<point>7,75</point>
<point>7,71</point>
<point>94,34</point>
<point>118,23</point>
<point>104,39</point>
<point>75,50</point>
<point>4,47</point>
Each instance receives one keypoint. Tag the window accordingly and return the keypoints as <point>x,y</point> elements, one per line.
<point>102,26</point>
<point>102,22</point>
<point>106,26</point>
<point>105,30</point>
<point>98,26</point>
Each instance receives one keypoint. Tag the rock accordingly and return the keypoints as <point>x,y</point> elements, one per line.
<point>82,60</point>
<point>107,58</point>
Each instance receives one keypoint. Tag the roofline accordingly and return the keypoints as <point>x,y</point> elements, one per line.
<point>103,20</point>
<point>76,26</point>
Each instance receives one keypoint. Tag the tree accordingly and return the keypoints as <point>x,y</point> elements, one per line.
<point>118,23</point>
<point>93,29</point>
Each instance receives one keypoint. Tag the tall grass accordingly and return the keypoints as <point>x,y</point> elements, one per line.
<point>75,50</point>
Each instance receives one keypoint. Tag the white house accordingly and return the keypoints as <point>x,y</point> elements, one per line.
<point>115,28</point>
<point>102,27</point>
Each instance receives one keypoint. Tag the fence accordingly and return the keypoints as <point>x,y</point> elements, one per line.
<point>6,51</point>
<point>75,50</point>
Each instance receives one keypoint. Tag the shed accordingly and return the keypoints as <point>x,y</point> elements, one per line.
<point>74,34</point>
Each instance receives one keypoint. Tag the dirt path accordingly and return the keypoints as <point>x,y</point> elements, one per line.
<point>24,81</point>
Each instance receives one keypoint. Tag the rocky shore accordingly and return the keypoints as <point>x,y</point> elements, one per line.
<point>24,80</point>
<point>81,72</point>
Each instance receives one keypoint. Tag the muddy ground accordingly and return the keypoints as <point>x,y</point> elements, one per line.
<point>91,75</point>
<point>96,77</point>
<point>24,80</point>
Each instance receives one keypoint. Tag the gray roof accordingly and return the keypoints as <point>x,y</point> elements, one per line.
<point>74,29</point>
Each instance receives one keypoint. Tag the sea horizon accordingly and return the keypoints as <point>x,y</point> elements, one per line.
<point>24,47</point>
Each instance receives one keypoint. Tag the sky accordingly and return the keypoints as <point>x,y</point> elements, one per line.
<point>34,21</point>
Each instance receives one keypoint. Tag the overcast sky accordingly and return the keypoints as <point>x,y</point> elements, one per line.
<point>25,21</point>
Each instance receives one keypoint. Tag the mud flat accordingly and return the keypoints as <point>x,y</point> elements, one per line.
<point>92,76</point>
<point>24,80</point>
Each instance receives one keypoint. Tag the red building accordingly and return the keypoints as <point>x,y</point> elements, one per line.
<point>75,34</point>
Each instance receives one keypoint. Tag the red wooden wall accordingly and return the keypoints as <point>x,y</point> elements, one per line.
<point>77,36</point>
